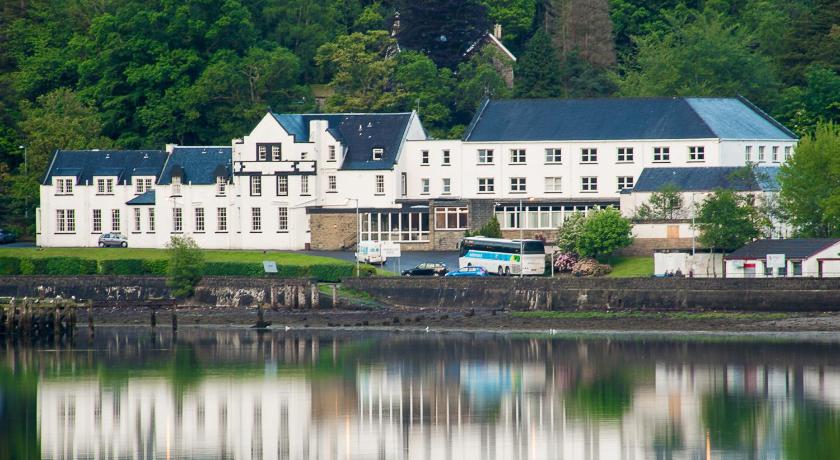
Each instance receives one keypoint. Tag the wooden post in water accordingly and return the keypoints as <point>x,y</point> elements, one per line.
<point>153,319</point>
<point>273,297</point>
<point>57,322</point>
<point>174,318</point>
<point>90,317</point>
<point>334,295</point>
<point>316,296</point>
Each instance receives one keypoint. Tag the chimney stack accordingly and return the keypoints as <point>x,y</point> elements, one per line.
<point>497,31</point>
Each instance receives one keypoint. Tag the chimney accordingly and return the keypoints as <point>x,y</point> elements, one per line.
<point>497,31</point>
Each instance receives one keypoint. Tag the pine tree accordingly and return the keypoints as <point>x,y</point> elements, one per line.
<point>582,25</point>
<point>538,70</point>
<point>442,29</point>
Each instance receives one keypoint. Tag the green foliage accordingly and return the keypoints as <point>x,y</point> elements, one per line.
<point>665,204</point>
<point>331,273</point>
<point>156,267</point>
<point>186,266</point>
<point>813,432</point>
<point>537,69</point>
<point>605,398</point>
<point>442,29</point>
<point>731,420</point>
<point>70,266</point>
<point>123,267</point>
<point>491,229</point>
<point>477,80</point>
<point>516,18</point>
<point>603,232</point>
<point>569,233</point>
<point>9,266</point>
<point>728,221</point>
<point>818,100</point>
<point>810,181</point>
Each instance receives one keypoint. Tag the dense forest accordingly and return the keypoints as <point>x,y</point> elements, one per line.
<point>142,73</point>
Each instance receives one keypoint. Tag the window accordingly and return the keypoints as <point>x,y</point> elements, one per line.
<point>221,186</point>
<point>304,185</point>
<point>698,153</point>
<point>553,156</point>
<point>662,154</point>
<point>404,184</point>
<point>332,185</point>
<point>176,185</point>
<point>588,184</point>
<point>518,157</point>
<point>588,155</point>
<point>256,185</point>
<point>424,158</point>
<point>221,219</point>
<point>275,153</point>
<point>261,153</point>
<point>256,220</point>
<point>446,186</point>
<point>177,220</point>
<point>761,154</point>
<point>797,268</point>
<point>775,153</point>
<point>282,185</point>
<point>625,182</point>
<point>485,156</point>
<point>65,220</point>
<point>105,186</point>
<point>536,216</point>
<point>151,220</point>
<point>625,154</point>
<point>451,218</point>
<point>553,185</point>
<point>115,220</point>
<point>747,153</point>
<point>64,186</point>
<point>424,186</point>
<point>331,153</point>
<point>395,226</point>
<point>199,219</point>
<point>376,154</point>
<point>97,220</point>
<point>137,220</point>
<point>446,158</point>
<point>486,185</point>
<point>517,185</point>
<point>283,219</point>
<point>787,152</point>
<point>380,185</point>
<point>142,185</point>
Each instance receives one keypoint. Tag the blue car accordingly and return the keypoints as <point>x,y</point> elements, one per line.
<point>468,271</point>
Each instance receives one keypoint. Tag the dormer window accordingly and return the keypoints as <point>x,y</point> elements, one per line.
<point>104,186</point>
<point>331,153</point>
<point>261,152</point>
<point>64,186</point>
<point>377,154</point>
<point>221,184</point>
<point>275,153</point>
<point>176,185</point>
<point>142,185</point>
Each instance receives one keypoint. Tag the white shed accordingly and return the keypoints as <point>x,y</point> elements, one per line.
<point>794,257</point>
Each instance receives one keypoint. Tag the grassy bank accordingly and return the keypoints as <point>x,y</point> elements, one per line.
<point>677,315</point>
<point>99,254</point>
<point>631,267</point>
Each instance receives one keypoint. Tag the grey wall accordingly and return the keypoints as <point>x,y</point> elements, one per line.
<point>606,293</point>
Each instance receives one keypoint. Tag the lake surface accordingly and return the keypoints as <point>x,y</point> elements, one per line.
<point>229,393</point>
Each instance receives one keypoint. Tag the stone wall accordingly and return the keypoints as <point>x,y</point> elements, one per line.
<point>646,246</point>
<point>606,293</point>
<point>330,232</point>
<point>140,290</point>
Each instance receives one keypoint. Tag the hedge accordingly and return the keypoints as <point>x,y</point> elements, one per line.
<point>122,267</point>
<point>9,266</point>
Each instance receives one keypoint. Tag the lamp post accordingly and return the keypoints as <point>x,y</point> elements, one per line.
<point>25,173</point>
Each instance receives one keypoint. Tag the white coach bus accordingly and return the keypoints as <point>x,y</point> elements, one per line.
<point>503,257</point>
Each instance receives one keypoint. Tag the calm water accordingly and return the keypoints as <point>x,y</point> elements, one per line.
<point>212,393</point>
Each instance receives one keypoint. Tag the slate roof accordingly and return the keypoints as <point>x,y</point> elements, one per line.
<point>197,165</point>
<point>145,199</point>
<point>793,248</point>
<point>705,179</point>
<point>359,133</point>
<point>623,119</point>
<point>124,164</point>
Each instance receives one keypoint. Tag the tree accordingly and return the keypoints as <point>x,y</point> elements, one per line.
<point>491,229</point>
<point>603,232</point>
<point>537,69</point>
<point>582,25</point>
<point>515,17</point>
<point>665,204</point>
<point>728,221</point>
<point>186,266</point>
<point>810,184</point>
<point>568,234</point>
<point>477,79</point>
<point>442,29</point>
<point>818,100</point>
<point>420,85</point>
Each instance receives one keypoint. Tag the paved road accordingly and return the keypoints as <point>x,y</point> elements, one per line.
<point>409,258</point>
<point>19,244</point>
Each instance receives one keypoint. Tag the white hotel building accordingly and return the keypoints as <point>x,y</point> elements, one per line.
<point>298,180</point>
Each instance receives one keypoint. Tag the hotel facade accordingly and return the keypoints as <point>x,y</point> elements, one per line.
<point>315,181</point>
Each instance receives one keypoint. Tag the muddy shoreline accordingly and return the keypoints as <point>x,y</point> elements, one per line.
<point>421,318</point>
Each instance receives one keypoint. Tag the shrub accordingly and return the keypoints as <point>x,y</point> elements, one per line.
<point>186,266</point>
<point>9,266</point>
<point>233,269</point>
<point>30,266</point>
<point>69,266</point>
<point>590,267</point>
<point>157,267</point>
<point>564,262</point>
<point>331,273</point>
<point>122,267</point>
<point>365,270</point>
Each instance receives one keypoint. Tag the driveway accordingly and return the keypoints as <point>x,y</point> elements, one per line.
<point>409,258</point>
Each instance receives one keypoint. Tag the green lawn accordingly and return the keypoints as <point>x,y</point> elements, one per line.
<point>291,258</point>
<point>677,315</point>
<point>630,267</point>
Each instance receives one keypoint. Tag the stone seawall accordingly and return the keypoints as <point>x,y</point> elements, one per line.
<point>148,290</point>
<point>606,293</point>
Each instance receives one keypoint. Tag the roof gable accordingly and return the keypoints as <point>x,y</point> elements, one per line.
<point>196,165</point>
<point>793,248</point>
<point>145,199</point>
<point>622,119</point>
<point>84,165</point>
<point>707,179</point>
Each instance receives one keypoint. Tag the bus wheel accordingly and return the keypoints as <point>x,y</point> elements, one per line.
<point>501,272</point>
<point>507,271</point>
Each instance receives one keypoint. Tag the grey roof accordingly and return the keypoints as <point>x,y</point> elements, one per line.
<point>794,248</point>
<point>123,164</point>
<point>623,119</point>
<point>196,165</point>
<point>359,133</point>
<point>705,179</point>
<point>145,199</point>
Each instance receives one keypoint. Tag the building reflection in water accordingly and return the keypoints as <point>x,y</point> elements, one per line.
<point>221,394</point>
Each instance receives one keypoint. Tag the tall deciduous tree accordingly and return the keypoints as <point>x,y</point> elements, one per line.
<point>442,29</point>
<point>727,220</point>
<point>664,204</point>
<point>516,18</point>
<point>538,70</point>
<point>810,182</point>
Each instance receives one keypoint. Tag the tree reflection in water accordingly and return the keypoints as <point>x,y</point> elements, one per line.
<point>732,420</point>
<point>813,432</point>
<point>18,415</point>
<point>605,398</point>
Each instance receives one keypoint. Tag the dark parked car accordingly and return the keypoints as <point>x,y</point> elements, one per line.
<point>427,269</point>
<point>469,271</point>
<point>7,236</point>
<point>113,240</point>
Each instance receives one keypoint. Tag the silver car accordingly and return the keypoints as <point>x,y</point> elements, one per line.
<point>113,240</point>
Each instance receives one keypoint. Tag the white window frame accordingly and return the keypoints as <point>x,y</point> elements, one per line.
<point>589,155</point>
<point>283,219</point>
<point>589,184</point>
<point>199,219</point>
<point>446,186</point>
<point>788,152</point>
<point>115,220</point>
<point>330,153</point>
<point>446,158</point>
<point>554,184</point>
<point>256,185</point>
<point>774,154</point>
<point>486,185</point>
<point>697,153</point>
<point>761,157</point>
<point>332,184</point>
<point>282,185</point>
<point>151,221</point>
<point>425,186</point>
<point>304,185</point>
<point>177,220</point>
<point>380,184</point>
<point>65,221</point>
<point>221,220</point>
<point>518,156</point>
<point>553,156</point>
<point>747,153</point>
<point>625,155</point>
<point>625,182</point>
<point>221,186</point>
<point>485,156</point>
<point>97,221</point>
<point>262,153</point>
<point>662,154</point>
<point>275,152</point>
<point>425,159</point>
<point>395,226</point>
<point>447,216</point>
<point>138,219</point>
<point>518,185</point>
<point>256,220</point>
<point>377,153</point>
